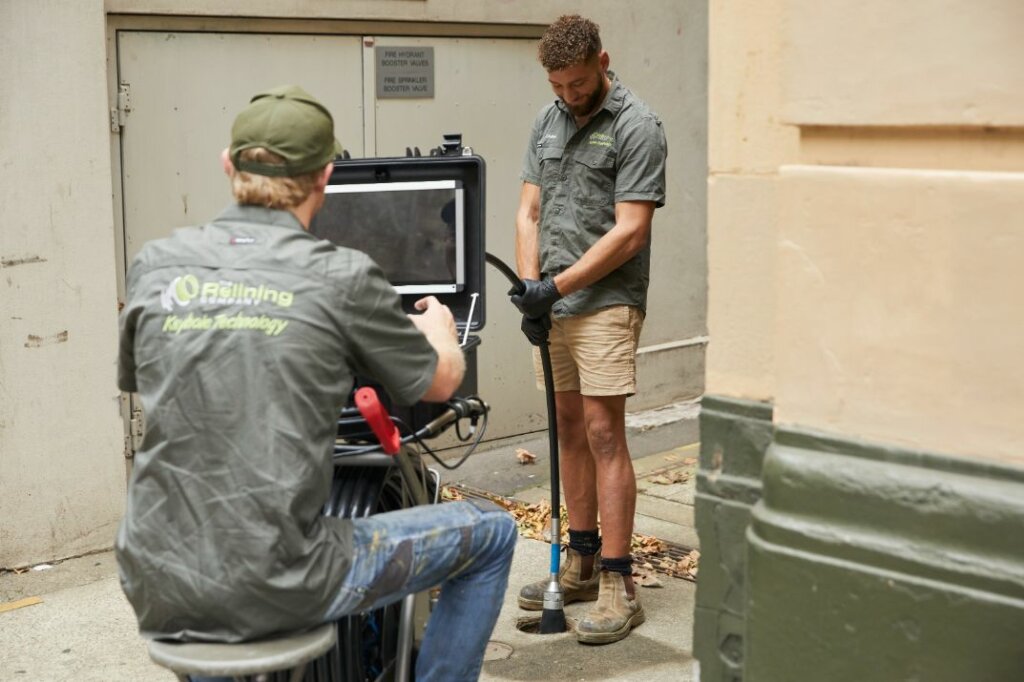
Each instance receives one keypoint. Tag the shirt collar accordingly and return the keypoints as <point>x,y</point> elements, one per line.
<point>259,214</point>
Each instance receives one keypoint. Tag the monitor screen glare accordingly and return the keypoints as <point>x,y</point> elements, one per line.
<point>412,230</point>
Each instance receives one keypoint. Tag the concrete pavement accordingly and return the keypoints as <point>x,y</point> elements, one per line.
<point>83,628</point>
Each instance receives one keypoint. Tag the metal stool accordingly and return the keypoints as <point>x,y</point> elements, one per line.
<point>289,652</point>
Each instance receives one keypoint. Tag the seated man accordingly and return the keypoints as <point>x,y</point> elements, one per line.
<point>241,338</point>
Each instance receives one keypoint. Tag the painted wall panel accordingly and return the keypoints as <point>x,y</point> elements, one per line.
<point>179,123</point>
<point>899,318</point>
<point>745,133</point>
<point>916,62</point>
<point>61,462</point>
<point>747,142</point>
<point>742,254</point>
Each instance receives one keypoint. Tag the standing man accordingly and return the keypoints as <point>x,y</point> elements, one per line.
<point>594,173</point>
<point>242,337</point>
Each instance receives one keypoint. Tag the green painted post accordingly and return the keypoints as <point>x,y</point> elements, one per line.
<point>734,437</point>
<point>868,562</point>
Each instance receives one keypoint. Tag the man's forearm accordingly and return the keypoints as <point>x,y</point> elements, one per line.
<point>601,259</point>
<point>451,366</point>
<point>527,250</point>
<point>438,326</point>
<point>528,233</point>
<point>616,247</point>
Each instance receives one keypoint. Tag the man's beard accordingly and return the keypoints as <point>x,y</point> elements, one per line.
<point>593,102</point>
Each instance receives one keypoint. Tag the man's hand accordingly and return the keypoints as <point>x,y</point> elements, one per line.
<point>436,318</point>
<point>438,325</point>
<point>536,328</point>
<point>538,297</point>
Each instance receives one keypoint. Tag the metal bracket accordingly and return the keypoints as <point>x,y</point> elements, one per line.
<point>119,115</point>
<point>451,146</point>
<point>136,429</point>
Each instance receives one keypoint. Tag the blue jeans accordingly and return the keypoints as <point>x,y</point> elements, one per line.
<point>465,547</point>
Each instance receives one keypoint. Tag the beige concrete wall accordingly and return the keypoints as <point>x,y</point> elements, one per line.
<point>747,143</point>
<point>899,269</point>
<point>61,463</point>
<point>899,313</point>
<point>915,62</point>
<point>866,168</point>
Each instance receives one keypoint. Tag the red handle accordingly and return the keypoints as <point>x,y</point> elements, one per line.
<point>377,417</point>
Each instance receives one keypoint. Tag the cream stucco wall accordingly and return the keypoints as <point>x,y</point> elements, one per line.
<point>916,62</point>
<point>62,469</point>
<point>866,168</point>
<point>899,319</point>
<point>61,433</point>
<point>897,279</point>
<point>747,143</point>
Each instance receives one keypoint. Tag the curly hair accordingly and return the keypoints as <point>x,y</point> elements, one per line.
<point>568,41</point>
<point>280,193</point>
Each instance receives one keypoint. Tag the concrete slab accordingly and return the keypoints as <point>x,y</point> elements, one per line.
<point>682,533</point>
<point>84,629</point>
<point>659,650</point>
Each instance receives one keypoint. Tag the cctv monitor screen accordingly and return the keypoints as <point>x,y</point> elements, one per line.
<point>413,230</point>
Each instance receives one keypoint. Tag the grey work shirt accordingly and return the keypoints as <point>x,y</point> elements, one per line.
<point>619,155</point>
<point>241,337</point>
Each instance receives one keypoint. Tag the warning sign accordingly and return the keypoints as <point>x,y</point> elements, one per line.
<point>405,72</point>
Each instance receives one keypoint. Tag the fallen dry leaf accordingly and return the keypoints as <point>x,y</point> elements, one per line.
<point>525,456</point>
<point>690,460</point>
<point>534,522</point>
<point>450,494</point>
<point>645,578</point>
<point>646,544</point>
<point>670,477</point>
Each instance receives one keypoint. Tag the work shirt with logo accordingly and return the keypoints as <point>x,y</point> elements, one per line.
<point>619,155</point>
<point>241,338</point>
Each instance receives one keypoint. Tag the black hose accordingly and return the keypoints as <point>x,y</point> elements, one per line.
<point>549,384</point>
<point>509,273</point>
<point>549,390</point>
<point>553,615</point>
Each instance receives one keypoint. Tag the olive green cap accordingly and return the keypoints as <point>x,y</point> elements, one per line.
<point>290,122</point>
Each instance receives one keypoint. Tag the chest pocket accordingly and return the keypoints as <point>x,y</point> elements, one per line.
<point>594,178</point>
<point>550,163</point>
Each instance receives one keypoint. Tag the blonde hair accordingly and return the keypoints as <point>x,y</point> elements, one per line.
<point>281,193</point>
<point>569,41</point>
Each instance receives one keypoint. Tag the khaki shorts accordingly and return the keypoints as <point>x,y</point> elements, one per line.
<point>594,353</point>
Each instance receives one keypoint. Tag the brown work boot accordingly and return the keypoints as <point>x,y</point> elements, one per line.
<point>614,615</point>
<point>579,577</point>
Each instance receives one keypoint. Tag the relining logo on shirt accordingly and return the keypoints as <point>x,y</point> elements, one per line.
<point>183,290</point>
<point>600,140</point>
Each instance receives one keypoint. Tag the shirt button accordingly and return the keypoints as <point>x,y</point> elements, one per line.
<point>564,178</point>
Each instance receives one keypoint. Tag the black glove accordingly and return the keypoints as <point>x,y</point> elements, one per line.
<point>537,298</point>
<point>536,328</point>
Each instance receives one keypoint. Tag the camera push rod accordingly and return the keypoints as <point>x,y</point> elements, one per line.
<point>552,619</point>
